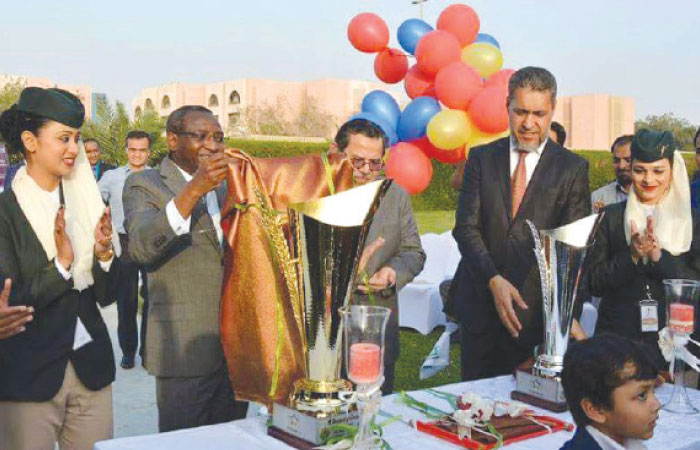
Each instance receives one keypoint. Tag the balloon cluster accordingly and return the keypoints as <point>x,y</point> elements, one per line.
<point>457,86</point>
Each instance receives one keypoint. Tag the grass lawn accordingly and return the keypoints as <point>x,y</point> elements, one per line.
<point>434,221</point>
<point>414,346</point>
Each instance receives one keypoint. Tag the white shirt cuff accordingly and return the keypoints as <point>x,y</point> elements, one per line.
<point>179,225</point>
<point>64,273</point>
<point>105,265</point>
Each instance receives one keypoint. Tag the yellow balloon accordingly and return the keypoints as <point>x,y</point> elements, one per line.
<point>449,129</point>
<point>478,137</point>
<point>485,58</point>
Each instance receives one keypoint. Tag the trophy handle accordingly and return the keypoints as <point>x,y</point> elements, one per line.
<point>541,264</point>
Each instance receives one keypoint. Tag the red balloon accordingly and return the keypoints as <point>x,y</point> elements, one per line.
<point>408,166</point>
<point>450,156</point>
<point>488,111</point>
<point>426,146</point>
<point>368,33</point>
<point>461,21</point>
<point>435,50</point>
<point>500,78</point>
<point>418,84</point>
<point>391,65</point>
<point>456,84</point>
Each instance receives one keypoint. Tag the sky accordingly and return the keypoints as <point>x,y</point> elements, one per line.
<point>641,49</point>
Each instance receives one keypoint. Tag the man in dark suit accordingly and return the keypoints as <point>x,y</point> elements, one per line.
<point>401,257</point>
<point>522,177</point>
<point>93,152</point>
<point>172,217</point>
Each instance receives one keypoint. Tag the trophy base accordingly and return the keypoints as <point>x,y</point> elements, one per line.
<point>302,429</point>
<point>543,392</point>
<point>320,398</point>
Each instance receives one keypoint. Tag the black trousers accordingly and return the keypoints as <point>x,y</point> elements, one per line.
<point>491,353</point>
<point>128,303</point>
<point>186,402</point>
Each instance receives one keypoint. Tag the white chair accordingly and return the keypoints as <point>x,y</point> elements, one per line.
<point>420,303</point>
<point>589,316</point>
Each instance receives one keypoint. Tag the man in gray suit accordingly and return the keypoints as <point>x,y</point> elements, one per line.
<point>172,217</point>
<point>401,257</point>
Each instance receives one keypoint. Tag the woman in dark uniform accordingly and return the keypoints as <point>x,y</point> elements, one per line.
<point>651,237</point>
<point>56,248</point>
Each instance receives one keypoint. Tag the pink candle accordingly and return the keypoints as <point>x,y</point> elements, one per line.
<point>365,363</point>
<point>682,318</point>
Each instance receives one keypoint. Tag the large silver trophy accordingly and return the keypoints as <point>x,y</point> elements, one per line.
<point>560,254</point>
<point>327,239</point>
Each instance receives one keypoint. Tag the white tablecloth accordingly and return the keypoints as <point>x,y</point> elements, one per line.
<point>672,431</point>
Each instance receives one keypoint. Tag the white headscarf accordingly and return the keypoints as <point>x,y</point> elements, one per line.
<point>84,208</point>
<point>673,222</point>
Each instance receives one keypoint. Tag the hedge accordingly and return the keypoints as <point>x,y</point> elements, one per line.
<point>439,195</point>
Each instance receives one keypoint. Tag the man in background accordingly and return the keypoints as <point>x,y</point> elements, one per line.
<point>557,133</point>
<point>138,150</point>
<point>617,190</point>
<point>93,153</point>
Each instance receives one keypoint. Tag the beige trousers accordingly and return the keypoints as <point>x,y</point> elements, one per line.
<point>76,418</point>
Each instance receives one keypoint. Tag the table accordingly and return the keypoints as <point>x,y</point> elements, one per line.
<point>672,431</point>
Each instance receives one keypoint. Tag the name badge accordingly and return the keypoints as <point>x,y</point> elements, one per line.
<point>649,315</point>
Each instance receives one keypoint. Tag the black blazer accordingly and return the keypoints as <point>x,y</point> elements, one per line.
<point>33,363</point>
<point>621,284</point>
<point>582,440</point>
<point>492,242</point>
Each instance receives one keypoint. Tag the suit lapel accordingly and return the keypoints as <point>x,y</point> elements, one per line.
<point>544,165</point>
<point>502,161</point>
<point>171,175</point>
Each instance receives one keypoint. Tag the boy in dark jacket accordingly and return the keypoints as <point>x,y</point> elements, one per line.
<point>609,385</point>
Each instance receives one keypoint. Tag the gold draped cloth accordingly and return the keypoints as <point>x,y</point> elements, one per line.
<point>253,286</point>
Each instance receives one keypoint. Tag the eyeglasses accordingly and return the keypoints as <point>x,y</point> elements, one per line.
<point>375,165</point>
<point>202,137</point>
<point>617,160</point>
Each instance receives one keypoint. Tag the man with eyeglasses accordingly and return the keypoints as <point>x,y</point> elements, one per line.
<point>618,190</point>
<point>401,257</point>
<point>111,183</point>
<point>173,222</point>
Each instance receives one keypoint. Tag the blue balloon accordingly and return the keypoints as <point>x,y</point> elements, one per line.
<point>410,32</point>
<point>389,132</point>
<point>414,119</point>
<point>485,37</point>
<point>383,106</point>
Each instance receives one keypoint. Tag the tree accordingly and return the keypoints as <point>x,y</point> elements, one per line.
<point>111,126</point>
<point>310,121</point>
<point>9,93</point>
<point>683,131</point>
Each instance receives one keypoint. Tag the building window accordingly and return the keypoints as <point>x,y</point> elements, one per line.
<point>234,98</point>
<point>213,100</point>
<point>137,112</point>
<point>165,104</point>
<point>149,105</point>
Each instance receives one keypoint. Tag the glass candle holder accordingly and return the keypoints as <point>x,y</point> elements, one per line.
<point>364,327</point>
<point>681,313</point>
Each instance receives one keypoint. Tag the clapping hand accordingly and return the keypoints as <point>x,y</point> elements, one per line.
<point>103,236</point>
<point>64,249</point>
<point>12,318</point>
<point>644,245</point>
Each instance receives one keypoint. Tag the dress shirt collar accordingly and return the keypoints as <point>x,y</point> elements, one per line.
<point>514,145</point>
<point>620,188</point>
<point>187,176</point>
<point>608,443</point>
